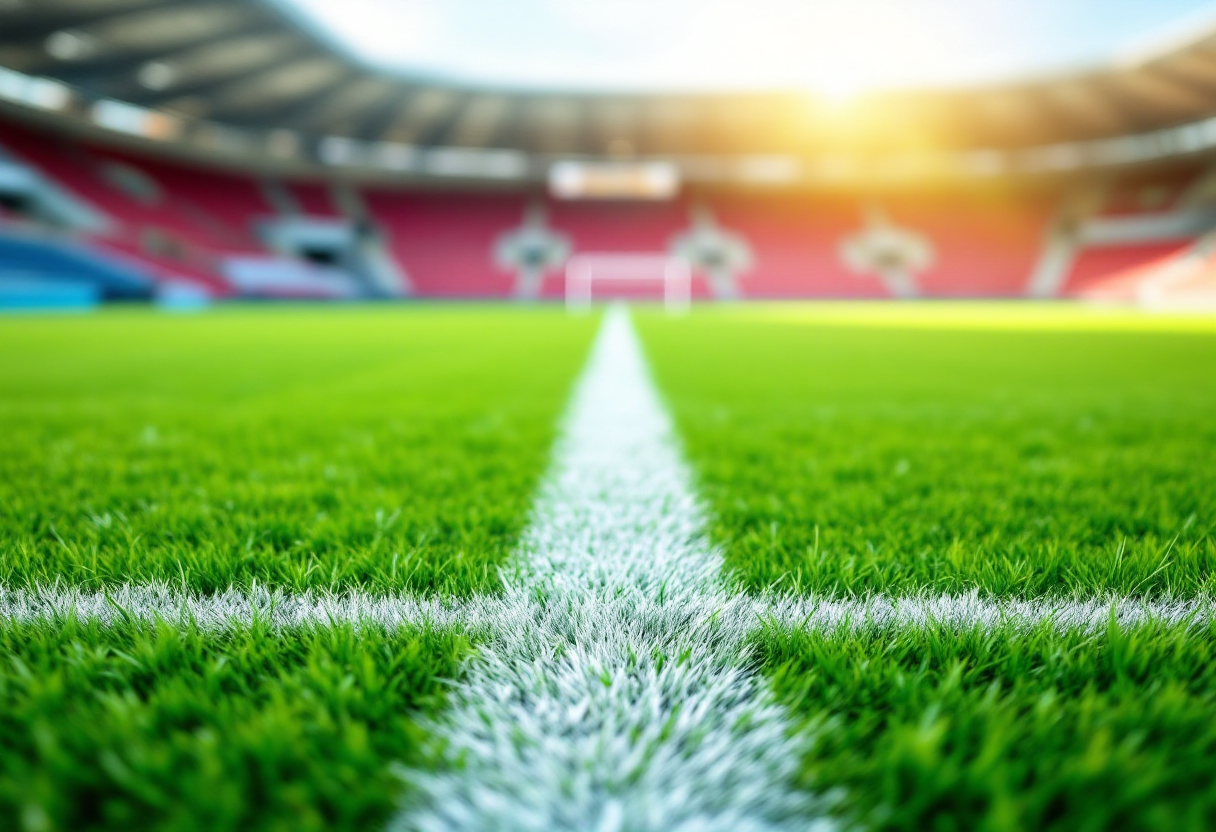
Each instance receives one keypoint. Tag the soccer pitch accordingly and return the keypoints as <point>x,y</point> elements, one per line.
<point>838,566</point>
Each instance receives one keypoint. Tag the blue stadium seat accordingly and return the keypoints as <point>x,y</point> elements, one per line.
<point>27,258</point>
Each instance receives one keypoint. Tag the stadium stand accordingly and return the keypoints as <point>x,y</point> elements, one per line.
<point>443,242</point>
<point>314,200</point>
<point>616,227</point>
<point>306,186</point>
<point>175,223</point>
<point>1185,279</point>
<point>1140,219</point>
<point>795,241</point>
<point>982,246</point>
<point>985,245</point>
<point>164,218</point>
<point>130,198</point>
<point>25,259</point>
<point>193,266</point>
<point>218,210</point>
<point>1096,265</point>
<point>1149,192</point>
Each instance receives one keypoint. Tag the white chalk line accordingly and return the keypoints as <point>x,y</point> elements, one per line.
<point>279,610</point>
<point>613,687</point>
<point>610,700</point>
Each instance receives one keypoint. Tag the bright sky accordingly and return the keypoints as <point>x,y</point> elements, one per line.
<point>837,47</point>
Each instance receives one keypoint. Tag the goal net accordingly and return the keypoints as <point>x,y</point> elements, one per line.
<point>583,271</point>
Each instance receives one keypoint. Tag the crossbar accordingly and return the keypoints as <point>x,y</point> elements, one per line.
<point>674,272</point>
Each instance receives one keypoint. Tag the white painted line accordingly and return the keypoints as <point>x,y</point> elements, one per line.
<point>967,612</point>
<point>615,699</point>
<point>235,609</point>
<point>227,610</point>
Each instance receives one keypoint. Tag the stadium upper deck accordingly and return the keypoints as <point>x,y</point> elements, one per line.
<point>244,80</point>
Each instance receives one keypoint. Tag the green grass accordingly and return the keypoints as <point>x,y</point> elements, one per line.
<point>388,449</point>
<point>1021,451</point>
<point>1031,451</point>
<point>996,731</point>
<point>383,449</point>
<point>844,449</point>
<point>158,728</point>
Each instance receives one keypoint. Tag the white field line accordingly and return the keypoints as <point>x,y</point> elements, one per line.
<point>614,698</point>
<point>238,609</point>
<point>613,688</point>
<point>229,610</point>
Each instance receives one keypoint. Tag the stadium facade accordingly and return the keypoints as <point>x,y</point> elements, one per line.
<point>191,149</point>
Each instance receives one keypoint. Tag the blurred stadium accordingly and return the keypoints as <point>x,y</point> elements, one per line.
<point>648,415</point>
<point>202,150</point>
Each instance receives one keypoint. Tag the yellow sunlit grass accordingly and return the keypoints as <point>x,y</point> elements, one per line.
<point>979,315</point>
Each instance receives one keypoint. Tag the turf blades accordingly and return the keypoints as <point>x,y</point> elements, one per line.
<point>277,609</point>
<point>625,703</point>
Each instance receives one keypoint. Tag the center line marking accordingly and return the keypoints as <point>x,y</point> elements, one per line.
<point>616,698</point>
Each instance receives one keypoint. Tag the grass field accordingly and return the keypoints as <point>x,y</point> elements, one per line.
<point>842,450</point>
<point>1007,728</point>
<point>296,449</point>
<point>137,727</point>
<point>1017,453</point>
<point>903,452</point>
<point>302,449</point>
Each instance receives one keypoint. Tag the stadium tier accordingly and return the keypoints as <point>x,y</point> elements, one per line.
<point>58,262</point>
<point>1148,193</point>
<point>230,234</point>
<point>1097,265</point>
<point>444,242</point>
<point>312,200</point>
<point>1181,280</point>
<point>620,227</point>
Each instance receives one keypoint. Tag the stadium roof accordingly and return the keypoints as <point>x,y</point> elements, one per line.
<point>744,45</point>
<point>252,64</point>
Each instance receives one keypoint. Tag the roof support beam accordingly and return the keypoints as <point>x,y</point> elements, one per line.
<point>116,69</point>
<point>377,119</point>
<point>290,114</point>
<point>219,86</point>
<point>439,131</point>
<point>344,107</point>
<point>40,25</point>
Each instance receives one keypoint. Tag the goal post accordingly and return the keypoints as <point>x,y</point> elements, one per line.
<point>673,271</point>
